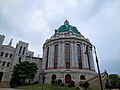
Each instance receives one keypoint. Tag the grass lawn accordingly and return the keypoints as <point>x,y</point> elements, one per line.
<point>94,88</point>
<point>46,87</point>
<point>50,87</point>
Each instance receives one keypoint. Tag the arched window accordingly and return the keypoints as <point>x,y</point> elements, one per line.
<point>53,77</point>
<point>67,55</point>
<point>79,56</point>
<point>2,53</point>
<point>82,77</point>
<point>23,51</point>
<point>47,58</point>
<point>55,56</point>
<point>20,49</point>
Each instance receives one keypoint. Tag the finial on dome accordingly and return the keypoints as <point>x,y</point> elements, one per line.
<point>10,43</point>
<point>66,22</point>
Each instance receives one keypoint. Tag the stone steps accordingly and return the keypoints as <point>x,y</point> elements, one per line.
<point>95,80</point>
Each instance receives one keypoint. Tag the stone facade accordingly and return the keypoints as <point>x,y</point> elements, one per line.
<point>10,56</point>
<point>67,55</point>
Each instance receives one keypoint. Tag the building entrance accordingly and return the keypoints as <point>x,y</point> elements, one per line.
<point>67,78</point>
<point>1,75</point>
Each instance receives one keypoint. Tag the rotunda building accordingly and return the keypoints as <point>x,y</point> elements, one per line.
<point>67,55</point>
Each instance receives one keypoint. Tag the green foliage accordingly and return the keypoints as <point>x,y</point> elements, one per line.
<point>71,84</point>
<point>23,71</point>
<point>86,84</point>
<point>61,84</point>
<point>119,84</point>
<point>81,83</point>
<point>114,79</point>
<point>59,81</point>
<point>56,82</point>
<point>53,82</point>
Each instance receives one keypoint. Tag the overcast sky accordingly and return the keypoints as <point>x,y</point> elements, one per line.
<point>33,21</point>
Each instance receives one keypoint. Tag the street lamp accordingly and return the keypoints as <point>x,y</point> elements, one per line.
<point>96,63</point>
<point>43,77</point>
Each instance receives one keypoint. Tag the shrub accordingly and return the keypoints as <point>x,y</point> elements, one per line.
<point>86,84</point>
<point>72,83</point>
<point>81,83</point>
<point>56,82</point>
<point>53,82</point>
<point>59,81</point>
<point>62,84</point>
<point>13,83</point>
<point>36,82</point>
<point>69,85</point>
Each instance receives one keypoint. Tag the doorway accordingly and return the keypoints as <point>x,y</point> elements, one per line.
<point>67,78</point>
<point>1,75</point>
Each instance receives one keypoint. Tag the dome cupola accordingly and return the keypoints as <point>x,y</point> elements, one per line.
<point>67,27</point>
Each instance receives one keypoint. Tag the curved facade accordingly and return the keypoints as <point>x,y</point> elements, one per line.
<point>67,55</point>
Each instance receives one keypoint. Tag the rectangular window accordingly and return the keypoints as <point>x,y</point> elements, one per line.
<point>67,55</point>
<point>6,55</point>
<point>0,62</point>
<point>20,50</point>
<point>10,56</point>
<point>55,56</point>
<point>79,56</point>
<point>3,64</point>
<point>2,53</point>
<point>8,64</point>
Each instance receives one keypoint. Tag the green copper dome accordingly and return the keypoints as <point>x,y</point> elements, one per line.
<point>67,27</point>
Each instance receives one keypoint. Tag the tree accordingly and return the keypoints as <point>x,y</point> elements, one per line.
<point>23,71</point>
<point>114,79</point>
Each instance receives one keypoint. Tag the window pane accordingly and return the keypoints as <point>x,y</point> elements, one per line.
<point>2,53</point>
<point>3,64</point>
<point>79,56</point>
<point>67,55</point>
<point>55,56</point>
<point>6,55</point>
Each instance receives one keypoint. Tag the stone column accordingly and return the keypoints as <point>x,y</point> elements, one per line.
<point>59,55</point>
<point>52,57</point>
<point>83,56</point>
<point>49,57</point>
<point>72,55</point>
<point>76,56</point>
<point>84,59</point>
<point>92,61</point>
<point>62,55</point>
